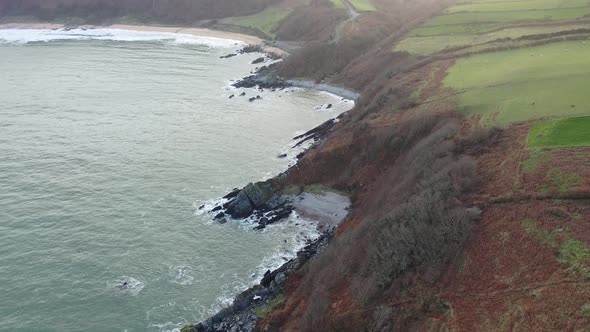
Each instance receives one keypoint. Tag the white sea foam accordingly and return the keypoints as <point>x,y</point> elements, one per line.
<point>24,36</point>
<point>181,274</point>
<point>133,286</point>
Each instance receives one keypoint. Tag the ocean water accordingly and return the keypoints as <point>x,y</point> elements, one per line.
<point>109,141</point>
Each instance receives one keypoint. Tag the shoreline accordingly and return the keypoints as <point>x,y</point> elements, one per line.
<point>326,210</point>
<point>198,32</point>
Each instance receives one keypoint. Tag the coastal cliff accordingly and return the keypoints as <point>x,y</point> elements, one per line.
<point>469,205</point>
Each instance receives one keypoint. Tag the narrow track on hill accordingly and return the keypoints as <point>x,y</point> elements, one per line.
<point>352,15</point>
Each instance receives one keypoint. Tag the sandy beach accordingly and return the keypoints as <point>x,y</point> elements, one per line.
<point>201,32</point>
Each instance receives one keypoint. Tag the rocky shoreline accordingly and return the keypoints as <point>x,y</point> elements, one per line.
<point>267,202</point>
<point>243,314</point>
<point>265,77</point>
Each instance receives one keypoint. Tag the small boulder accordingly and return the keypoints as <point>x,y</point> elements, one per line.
<point>280,278</point>
<point>259,60</point>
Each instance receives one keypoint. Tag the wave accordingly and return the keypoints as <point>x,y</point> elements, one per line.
<point>25,36</point>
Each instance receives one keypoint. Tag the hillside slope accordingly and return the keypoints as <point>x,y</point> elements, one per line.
<point>468,161</point>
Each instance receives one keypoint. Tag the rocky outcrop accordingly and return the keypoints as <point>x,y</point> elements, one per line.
<point>262,81</point>
<point>316,133</point>
<point>261,201</point>
<point>231,55</point>
<point>258,60</point>
<point>251,49</point>
<point>241,315</point>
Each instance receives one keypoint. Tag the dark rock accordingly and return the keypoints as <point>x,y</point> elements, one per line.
<point>219,215</point>
<point>202,207</point>
<point>230,97</point>
<point>259,193</point>
<point>222,221</point>
<point>259,60</point>
<point>282,156</point>
<point>260,227</point>
<point>251,49</point>
<point>279,214</point>
<point>242,94</point>
<point>262,81</point>
<point>217,208</point>
<point>226,204</point>
<point>228,56</point>
<point>258,97</point>
<point>316,133</point>
<point>241,207</point>
<point>329,106</point>
<point>232,194</point>
<point>252,99</point>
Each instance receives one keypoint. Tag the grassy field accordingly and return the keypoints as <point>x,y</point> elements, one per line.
<point>508,86</point>
<point>479,16</point>
<point>457,29</point>
<point>569,132</point>
<point>510,16</point>
<point>517,5</point>
<point>363,5</point>
<point>266,21</point>
<point>432,44</point>
<point>339,4</point>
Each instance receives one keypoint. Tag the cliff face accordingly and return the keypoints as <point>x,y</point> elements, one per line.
<point>169,11</point>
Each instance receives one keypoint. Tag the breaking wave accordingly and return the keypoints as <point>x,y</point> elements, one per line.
<point>24,36</point>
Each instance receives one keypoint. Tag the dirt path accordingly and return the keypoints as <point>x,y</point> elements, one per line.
<point>352,15</point>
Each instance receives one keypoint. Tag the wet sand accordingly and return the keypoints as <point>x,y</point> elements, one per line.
<point>329,209</point>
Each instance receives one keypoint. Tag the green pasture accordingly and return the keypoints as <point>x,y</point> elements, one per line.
<point>567,132</point>
<point>362,5</point>
<point>510,16</point>
<point>432,44</point>
<point>339,4</point>
<point>266,21</point>
<point>456,29</point>
<point>522,84</point>
<point>517,5</point>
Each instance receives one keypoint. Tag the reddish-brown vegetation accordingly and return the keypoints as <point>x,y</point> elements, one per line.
<point>511,273</point>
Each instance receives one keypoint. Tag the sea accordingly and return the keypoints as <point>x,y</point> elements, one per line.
<point>110,141</point>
